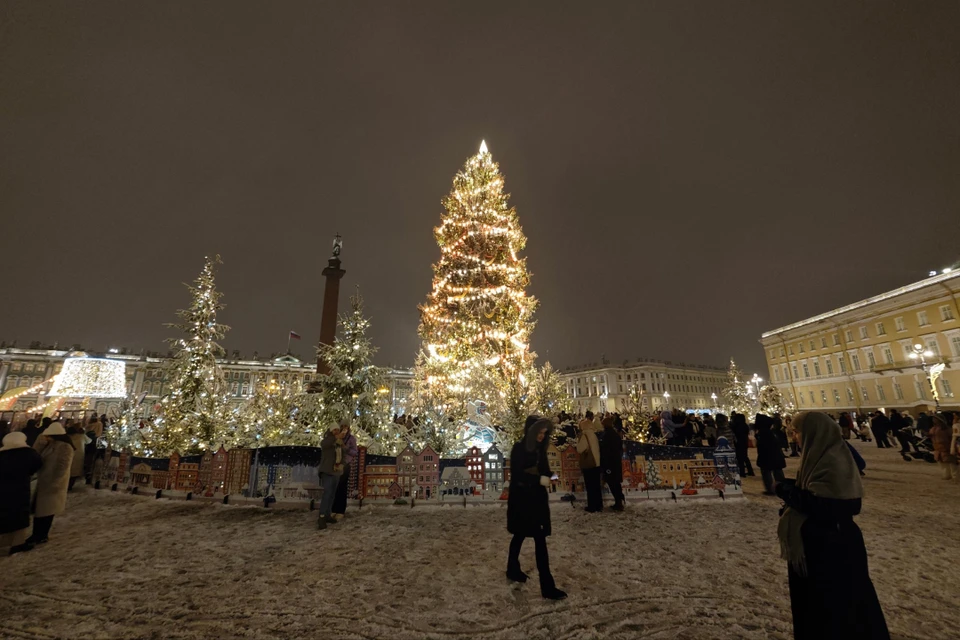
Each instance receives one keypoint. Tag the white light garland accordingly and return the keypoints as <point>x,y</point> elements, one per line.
<point>91,378</point>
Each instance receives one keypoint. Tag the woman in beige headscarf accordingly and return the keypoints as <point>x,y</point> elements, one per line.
<point>831,593</point>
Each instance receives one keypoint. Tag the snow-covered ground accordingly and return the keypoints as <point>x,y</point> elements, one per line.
<point>121,566</point>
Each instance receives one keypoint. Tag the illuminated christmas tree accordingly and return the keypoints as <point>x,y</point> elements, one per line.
<point>736,394</point>
<point>193,417</point>
<point>354,388</point>
<point>272,417</point>
<point>549,392</point>
<point>477,320</point>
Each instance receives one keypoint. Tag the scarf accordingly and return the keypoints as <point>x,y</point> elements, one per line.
<point>827,470</point>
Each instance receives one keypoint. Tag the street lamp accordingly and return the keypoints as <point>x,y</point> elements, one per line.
<point>666,398</point>
<point>921,354</point>
<point>713,397</point>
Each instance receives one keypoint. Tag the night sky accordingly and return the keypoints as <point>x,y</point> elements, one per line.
<point>688,175</point>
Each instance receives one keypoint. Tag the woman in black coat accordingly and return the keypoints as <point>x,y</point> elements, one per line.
<point>769,454</point>
<point>611,454</point>
<point>741,436</point>
<point>831,594</point>
<point>528,509</point>
<point>17,463</point>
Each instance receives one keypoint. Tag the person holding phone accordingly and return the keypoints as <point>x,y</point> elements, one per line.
<point>528,508</point>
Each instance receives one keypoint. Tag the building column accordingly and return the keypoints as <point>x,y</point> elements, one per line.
<point>331,298</point>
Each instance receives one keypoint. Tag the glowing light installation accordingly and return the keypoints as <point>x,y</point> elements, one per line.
<point>476,322</point>
<point>90,378</point>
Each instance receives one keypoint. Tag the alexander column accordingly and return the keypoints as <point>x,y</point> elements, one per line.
<point>331,298</point>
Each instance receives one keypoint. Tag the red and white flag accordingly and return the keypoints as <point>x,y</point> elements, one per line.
<point>294,335</point>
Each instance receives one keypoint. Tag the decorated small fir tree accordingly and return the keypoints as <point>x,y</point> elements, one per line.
<point>549,392</point>
<point>354,388</point>
<point>193,416</point>
<point>477,320</point>
<point>771,400</point>
<point>736,394</point>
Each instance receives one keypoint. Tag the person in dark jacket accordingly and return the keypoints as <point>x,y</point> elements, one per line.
<point>611,455</point>
<point>831,594</point>
<point>350,451</point>
<point>769,454</point>
<point>18,462</point>
<point>741,437</point>
<point>32,431</point>
<point>880,425</point>
<point>898,426</point>
<point>528,509</point>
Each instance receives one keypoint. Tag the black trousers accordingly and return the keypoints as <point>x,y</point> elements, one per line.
<point>41,528</point>
<point>743,463</point>
<point>543,560</point>
<point>770,478</point>
<point>616,489</point>
<point>591,480</point>
<point>340,500</point>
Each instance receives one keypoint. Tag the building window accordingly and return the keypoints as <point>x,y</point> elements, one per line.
<point>871,360</point>
<point>849,335</point>
<point>922,318</point>
<point>955,345</point>
<point>816,368</point>
<point>849,394</point>
<point>791,349</point>
<point>855,360</point>
<point>887,355</point>
<point>776,375</point>
<point>880,330</point>
<point>919,389</point>
<point>881,396</point>
<point>843,365</point>
<point>812,346</point>
<point>933,345</point>
<point>829,364</point>
<point>947,390</point>
<point>836,397</point>
<point>836,340</point>
<point>812,400</point>
<point>823,397</point>
<point>897,390</point>
<point>795,374</point>
<point>946,313</point>
<point>863,333</point>
<point>899,323</point>
<point>800,347</point>
<point>823,342</point>
<point>781,352</point>
<point>863,392</point>
<point>806,370</point>
<point>800,396</point>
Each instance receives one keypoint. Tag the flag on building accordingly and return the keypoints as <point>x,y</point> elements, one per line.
<point>294,335</point>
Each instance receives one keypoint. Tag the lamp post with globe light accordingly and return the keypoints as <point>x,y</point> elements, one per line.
<point>666,399</point>
<point>920,353</point>
<point>713,397</point>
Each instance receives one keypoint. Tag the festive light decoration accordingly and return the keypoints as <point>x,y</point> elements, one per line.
<point>476,322</point>
<point>353,388</point>
<point>193,417</point>
<point>90,378</point>
<point>736,394</point>
<point>7,401</point>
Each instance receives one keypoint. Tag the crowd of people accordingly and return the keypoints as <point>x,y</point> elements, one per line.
<point>38,466</point>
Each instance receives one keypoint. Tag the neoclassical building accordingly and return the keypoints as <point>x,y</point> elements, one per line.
<point>862,356</point>
<point>33,370</point>
<point>664,385</point>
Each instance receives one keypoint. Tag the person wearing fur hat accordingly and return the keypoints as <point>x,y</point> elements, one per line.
<point>769,454</point>
<point>528,506</point>
<point>831,594</point>
<point>588,447</point>
<point>18,462</point>
<point>56,450</point>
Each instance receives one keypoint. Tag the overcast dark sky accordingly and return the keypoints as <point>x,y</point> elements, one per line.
<point>688,174</point>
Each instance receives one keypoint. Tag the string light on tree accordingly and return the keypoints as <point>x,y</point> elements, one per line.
<point>83,377</point>
<point>477,320</point>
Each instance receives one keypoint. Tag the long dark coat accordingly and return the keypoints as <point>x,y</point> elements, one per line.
<point>769,453</point>
<point>528,509</point>
<point>836,598</point>
<point>611,454</point>
<point>16,467</point>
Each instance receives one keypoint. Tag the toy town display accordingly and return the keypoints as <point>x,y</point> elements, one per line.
<point>290,473</point>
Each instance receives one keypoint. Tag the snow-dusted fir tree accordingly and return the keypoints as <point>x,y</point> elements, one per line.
<point>353,388</point>
<point>477,320</point>
<point>193,416</point>
<point>272,416</point>
<point>123,432</point>
<point>736,393</point>
<point>549,393</point>
<point>634,414</point>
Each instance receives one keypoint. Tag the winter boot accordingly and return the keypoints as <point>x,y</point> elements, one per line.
<point>517,576</point>
<point>617,507</point>
<point>321,524</point>
<point>554,594</point>
<point>330,520</point>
